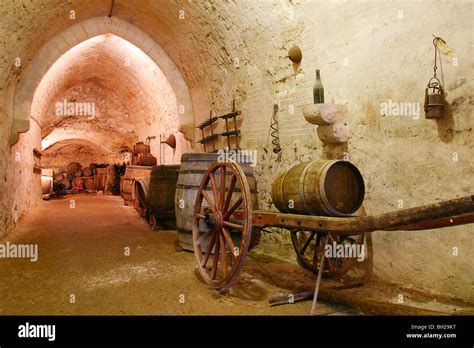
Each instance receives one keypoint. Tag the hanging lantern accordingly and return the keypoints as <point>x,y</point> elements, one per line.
<point>435,101</point>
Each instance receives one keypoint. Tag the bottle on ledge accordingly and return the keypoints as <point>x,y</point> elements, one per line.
<point>318,90</point>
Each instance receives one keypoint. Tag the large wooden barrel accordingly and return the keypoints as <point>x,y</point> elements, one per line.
<point>132,173</point>
<point>193,167</point>
<point>323,187</point>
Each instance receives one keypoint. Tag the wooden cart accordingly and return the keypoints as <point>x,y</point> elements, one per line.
<point>224,206</point>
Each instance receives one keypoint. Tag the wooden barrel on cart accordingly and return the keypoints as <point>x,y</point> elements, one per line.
<point>322,187</point>
<point>131,174</point>
<point>193,167</point>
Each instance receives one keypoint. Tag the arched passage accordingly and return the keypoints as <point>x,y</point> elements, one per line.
<point>107,90</point>
<point>69,150</point>
<point>78,33</point>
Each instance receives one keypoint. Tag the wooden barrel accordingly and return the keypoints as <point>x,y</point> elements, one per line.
<point>193,167</point>
<point>100,179</point>
<point>140,147</point>
<point>74,167</point>
<point>323,187</point>
<point>146,160</point>
<point>132,173</point>
<point>87,171</point>
<point>58,176</point>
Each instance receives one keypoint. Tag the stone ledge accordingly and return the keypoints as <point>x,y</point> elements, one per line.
<point>324,114</point>
<point>331,120</point>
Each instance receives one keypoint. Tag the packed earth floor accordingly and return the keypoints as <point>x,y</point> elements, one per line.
<point>98,257</point>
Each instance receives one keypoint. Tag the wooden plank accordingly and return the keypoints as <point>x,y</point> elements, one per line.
<point>448,213</point>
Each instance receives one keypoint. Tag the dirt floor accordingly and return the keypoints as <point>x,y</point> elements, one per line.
<point>83,269</point>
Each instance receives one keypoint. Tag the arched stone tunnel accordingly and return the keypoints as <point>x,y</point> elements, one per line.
<point>141,71</point>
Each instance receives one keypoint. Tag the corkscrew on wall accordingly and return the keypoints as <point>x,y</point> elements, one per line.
<point>274,131</point>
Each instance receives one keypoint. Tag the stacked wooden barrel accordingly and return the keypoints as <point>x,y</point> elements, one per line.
<point>74,175</point>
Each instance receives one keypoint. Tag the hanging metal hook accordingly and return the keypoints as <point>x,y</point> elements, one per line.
<point>437,83</point>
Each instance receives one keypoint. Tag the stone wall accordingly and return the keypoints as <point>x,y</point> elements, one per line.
<point>369,54</point>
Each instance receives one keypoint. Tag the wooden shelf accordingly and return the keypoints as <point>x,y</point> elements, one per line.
<point>207,123</point>
<point>230,114</point>
<point>207,139</point>
<point>233,133</point>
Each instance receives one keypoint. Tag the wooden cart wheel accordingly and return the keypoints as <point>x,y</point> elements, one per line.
<point>309,248</point>
<point>219,258</point>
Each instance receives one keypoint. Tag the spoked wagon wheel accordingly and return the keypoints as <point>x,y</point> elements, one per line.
<point>220,256</point>
<point>309,248</point>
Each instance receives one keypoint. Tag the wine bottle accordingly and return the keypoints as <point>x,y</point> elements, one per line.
<point>318,90</point>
